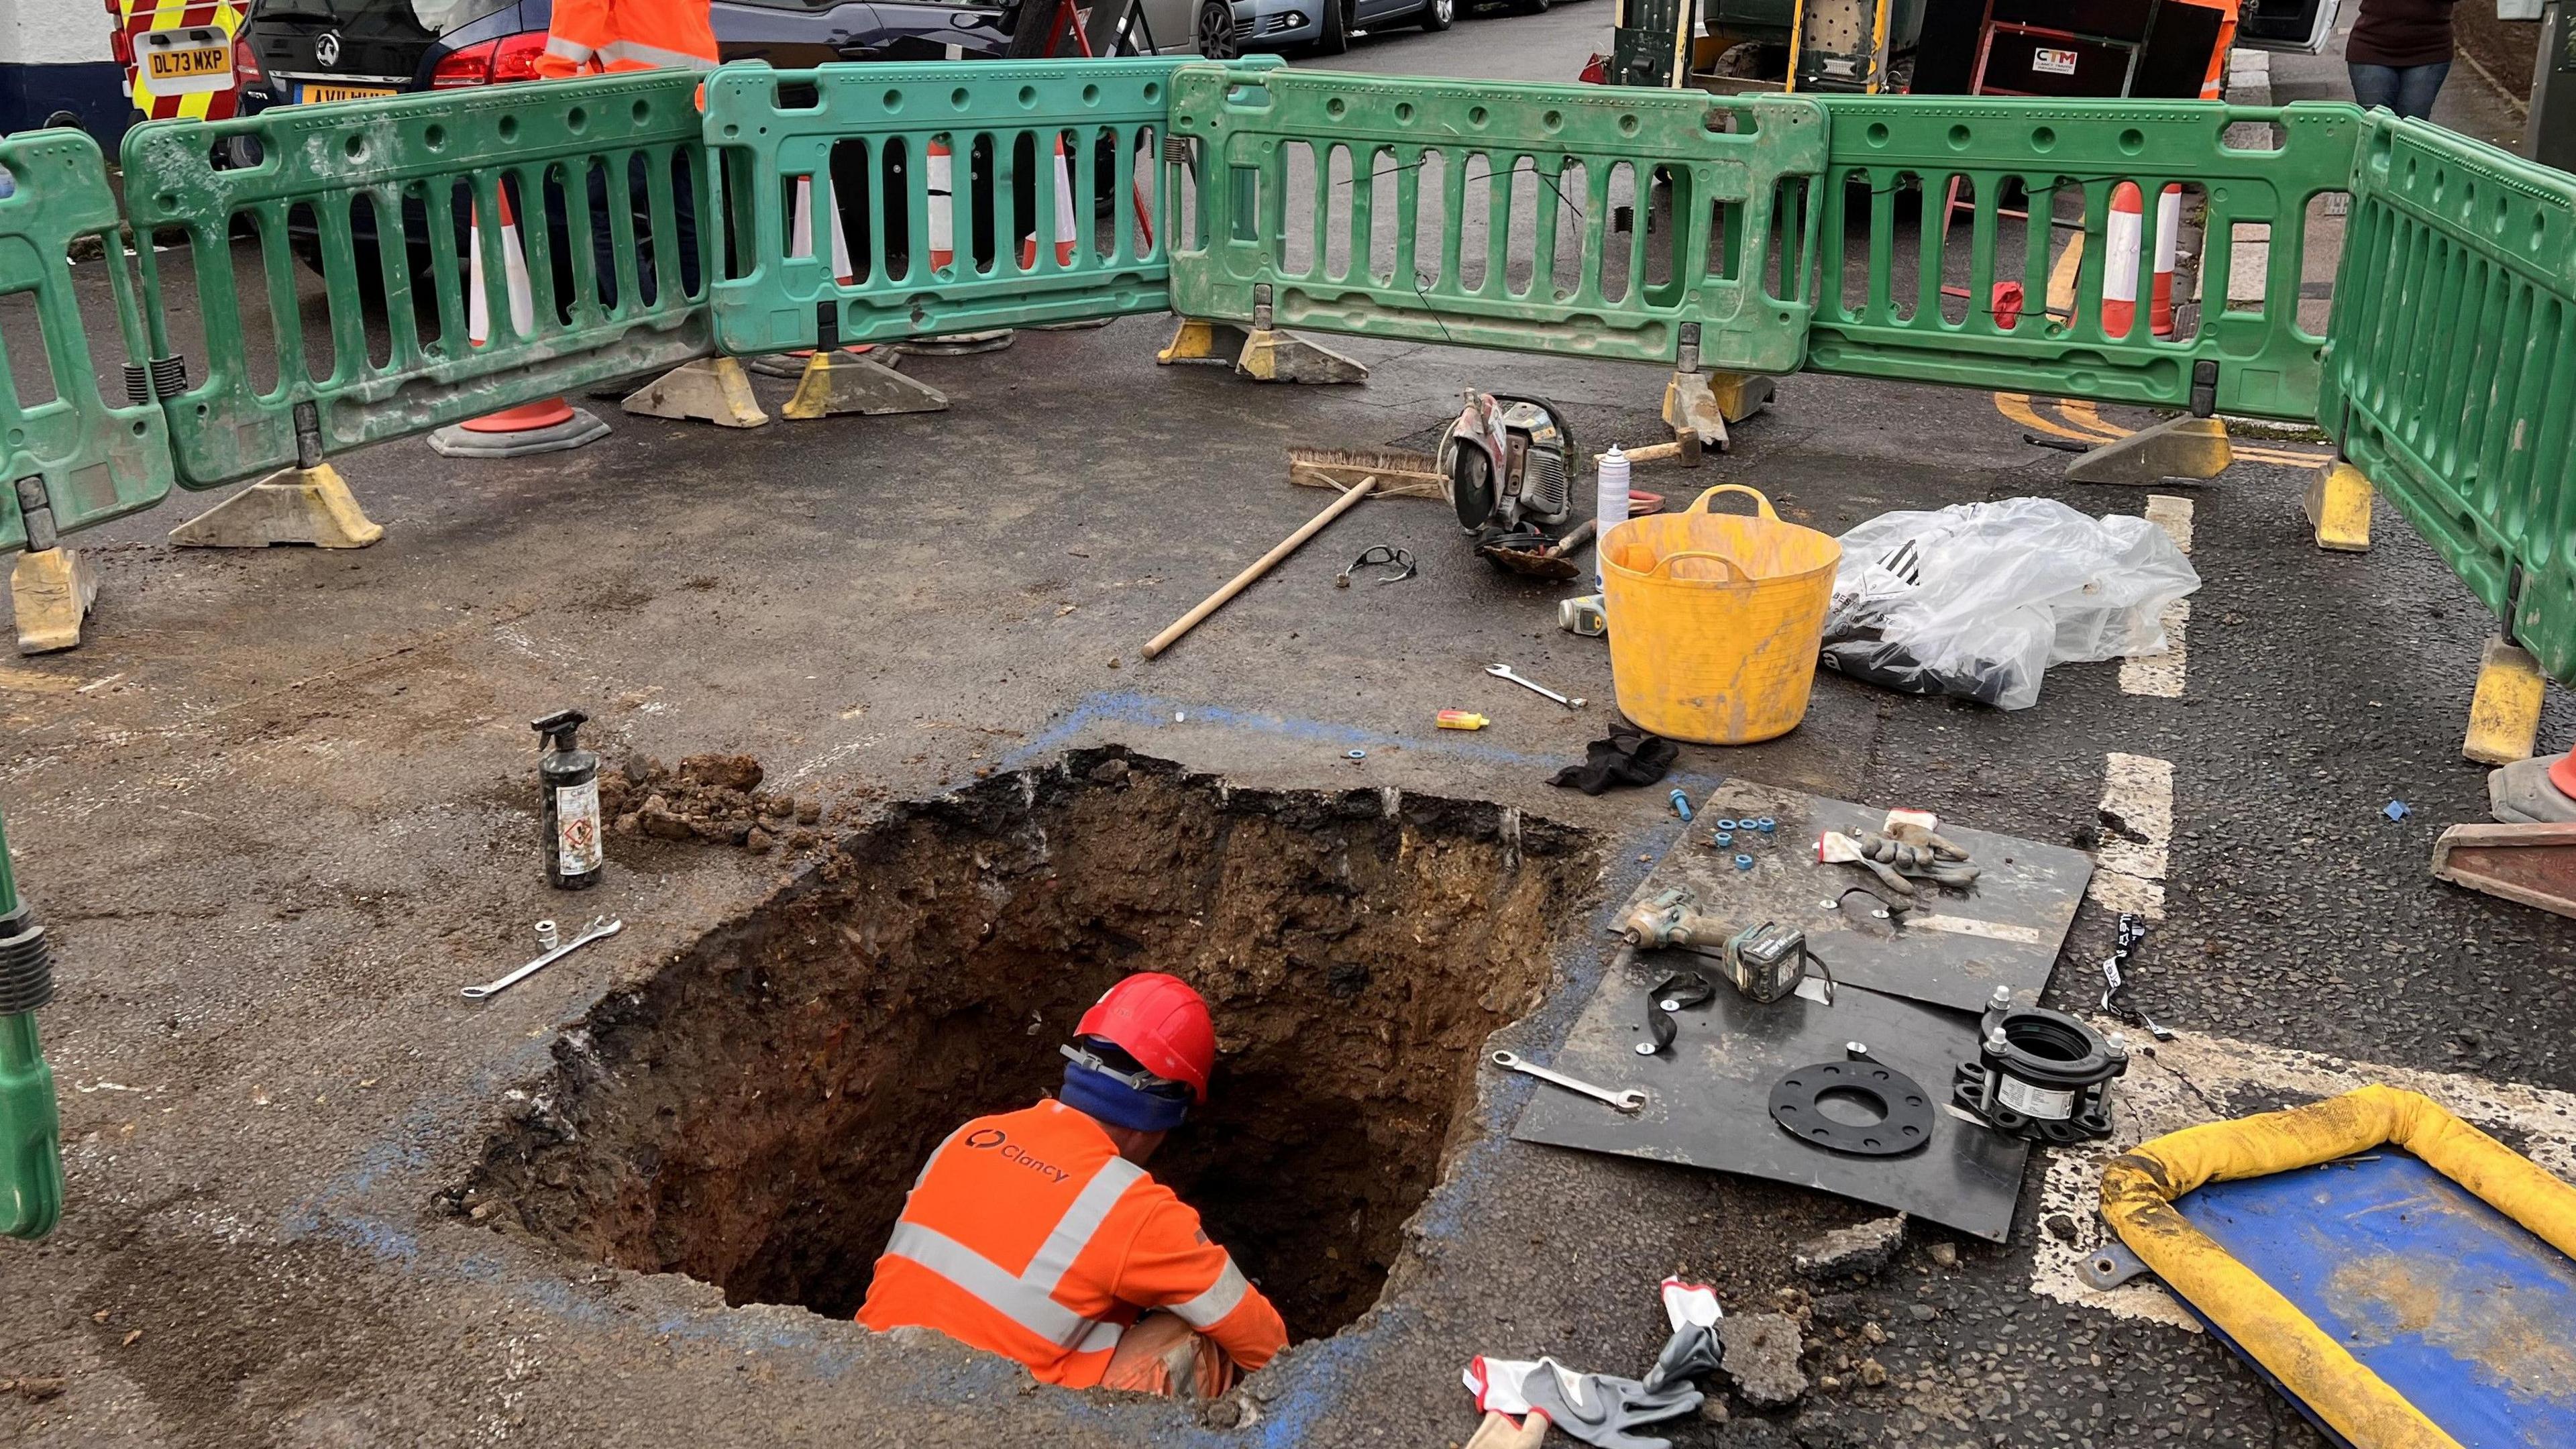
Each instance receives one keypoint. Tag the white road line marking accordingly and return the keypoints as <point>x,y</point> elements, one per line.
<point>2172,513</point>
<point>2160,676</point>
<point>2137,826</point>
<point>2196,1078</point>
<point>1962,926</point>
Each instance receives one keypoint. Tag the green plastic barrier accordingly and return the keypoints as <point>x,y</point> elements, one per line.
<point>2451,374</point>
<point>73,455</point>
<point>613,289</point>
<point>951,211</point>
<point>1592,221</point>
<point>31,1157</point>
<point>2001,152</point>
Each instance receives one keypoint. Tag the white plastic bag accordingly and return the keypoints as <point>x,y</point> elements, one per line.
<point>1979,599</point>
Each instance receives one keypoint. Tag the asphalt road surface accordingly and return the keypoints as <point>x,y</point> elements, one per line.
<point>277,809</point>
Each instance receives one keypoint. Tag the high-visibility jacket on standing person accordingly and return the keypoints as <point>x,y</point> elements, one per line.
<point>592,37</point>
<point>1030,1237</point>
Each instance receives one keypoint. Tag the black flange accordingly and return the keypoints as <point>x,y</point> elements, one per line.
<point>1903,1107</point>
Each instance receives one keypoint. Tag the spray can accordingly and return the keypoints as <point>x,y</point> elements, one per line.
<point>1611,509</point>
<point>569,776</point>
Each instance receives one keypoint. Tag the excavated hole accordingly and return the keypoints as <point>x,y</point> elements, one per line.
<point>754,1114</point>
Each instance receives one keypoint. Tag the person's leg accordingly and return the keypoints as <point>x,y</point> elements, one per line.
<point>1163,1355</point>
<point>2374,85</point>
<point>603,247</point>
<point>2417,85</point>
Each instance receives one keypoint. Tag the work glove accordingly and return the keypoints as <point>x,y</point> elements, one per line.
<point>1690,1352</point>
<point>1630,756</point>
<point>1692,1310</point>
<point>1909,842</point>
<point>1835,848</point>
<point>1598,1409</point>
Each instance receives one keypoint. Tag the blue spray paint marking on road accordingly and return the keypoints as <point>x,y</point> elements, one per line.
<point>1128,707</point>
<point>1321,1372</point>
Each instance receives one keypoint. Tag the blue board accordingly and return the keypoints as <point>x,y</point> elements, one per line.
<point>2451,1303</point>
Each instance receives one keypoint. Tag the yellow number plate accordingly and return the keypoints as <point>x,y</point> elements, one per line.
<point>190,64</point>
<point>317,95</point>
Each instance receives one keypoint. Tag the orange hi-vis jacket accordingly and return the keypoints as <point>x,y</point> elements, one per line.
<point>1030,1237</point>
<point>590,37</point>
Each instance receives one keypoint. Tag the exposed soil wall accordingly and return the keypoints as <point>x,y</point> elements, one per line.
<point>754,1114</point>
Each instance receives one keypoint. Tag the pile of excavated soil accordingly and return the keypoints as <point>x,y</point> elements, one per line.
<point>754,1114</point>
<point>712,798</point>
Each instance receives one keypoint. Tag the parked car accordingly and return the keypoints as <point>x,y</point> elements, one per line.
<point>294,52</point>
<point>1326,25</point>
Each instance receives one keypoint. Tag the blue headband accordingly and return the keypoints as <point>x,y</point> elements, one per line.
<point>1090,1090</point>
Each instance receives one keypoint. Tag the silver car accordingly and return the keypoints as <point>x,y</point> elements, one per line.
<point>1327,24</point>
<point>1222,29</point>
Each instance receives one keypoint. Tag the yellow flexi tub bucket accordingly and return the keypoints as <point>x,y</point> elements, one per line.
<point>1715,619</point>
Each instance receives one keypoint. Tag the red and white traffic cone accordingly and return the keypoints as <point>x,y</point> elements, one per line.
<point>548,426</point>
<point>939,181</point>
<point>943,198</point>
<point>2160,310</point>
<point>1066,244</point>
<point>1064,222</point>
<point>2120,260</point>
<point>800,245</point>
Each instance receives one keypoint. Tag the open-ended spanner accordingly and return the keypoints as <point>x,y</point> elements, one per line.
<point>1504,671</point>
<point>600,928</point>
<point>1631,1100</point>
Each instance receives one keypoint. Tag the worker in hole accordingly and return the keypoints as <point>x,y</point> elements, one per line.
<point>1037,1234</point>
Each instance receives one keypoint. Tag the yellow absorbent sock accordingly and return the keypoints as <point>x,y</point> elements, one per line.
<point>2140,1187</point>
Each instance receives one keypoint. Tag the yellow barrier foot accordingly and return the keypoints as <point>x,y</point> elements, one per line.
<point>52,590</point>
<point>710,389</point>
<point>1698,405</point>
<point>1270,355</point>
<point>309,506</point>
<point>2185,447</point>
<point>2504,714</point>
<point>2338,507</point>
<point>1198,340</point>
<point>1740,394</point>
<point>836,383</point>
<point>1691,410</point>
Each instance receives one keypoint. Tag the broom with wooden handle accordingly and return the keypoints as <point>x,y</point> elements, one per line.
<point>1398,475</point>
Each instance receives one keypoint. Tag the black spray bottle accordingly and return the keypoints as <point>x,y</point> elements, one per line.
<point>570,775</point>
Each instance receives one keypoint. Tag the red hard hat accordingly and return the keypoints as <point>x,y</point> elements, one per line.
<point>1162,1023</point>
